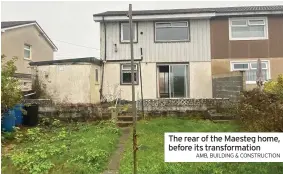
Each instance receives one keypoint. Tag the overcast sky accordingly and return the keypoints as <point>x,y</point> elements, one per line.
<point>70,24</point>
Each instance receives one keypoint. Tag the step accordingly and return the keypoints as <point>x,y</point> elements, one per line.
<point>126,118</point>
<point>221,121</point>
<point>220,116</point>
<point>124,123</point>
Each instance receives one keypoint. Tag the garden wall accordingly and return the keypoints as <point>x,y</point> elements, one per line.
<point>186,104</point>
<point>68,112</point>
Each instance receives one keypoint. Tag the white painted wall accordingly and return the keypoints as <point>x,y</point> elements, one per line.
<point>70,83</point>
<point>200,80</point>
<point>112,79</point>
<point>200,85</point>
<point>197,49</point>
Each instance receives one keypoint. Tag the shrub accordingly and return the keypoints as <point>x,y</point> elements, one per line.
<point>260,111</point>
<point>275,86</point>
<point>10,89</point>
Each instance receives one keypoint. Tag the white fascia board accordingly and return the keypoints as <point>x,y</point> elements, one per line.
<point>249,13</point>
<point>154,17</point>
<point>38,27</point>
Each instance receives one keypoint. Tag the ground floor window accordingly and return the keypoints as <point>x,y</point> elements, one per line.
<point>172,81</point>
<point>126,76</point>
<point>250,67</point>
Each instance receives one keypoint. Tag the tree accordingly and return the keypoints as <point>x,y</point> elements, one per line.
<point>10,88</point>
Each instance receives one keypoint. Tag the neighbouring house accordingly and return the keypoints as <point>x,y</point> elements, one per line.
<point>69,80</point>
<point>241,35</point>
<point>27,41</point>
<point>177,51</point>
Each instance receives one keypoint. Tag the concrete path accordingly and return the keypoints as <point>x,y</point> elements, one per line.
<point>114,163</point>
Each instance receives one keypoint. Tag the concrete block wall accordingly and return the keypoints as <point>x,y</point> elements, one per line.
<point>228,85</point>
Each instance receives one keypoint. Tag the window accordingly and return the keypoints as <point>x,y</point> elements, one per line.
<point>171,31</point>
<point>96,75</point>
<point>125,32</point>
<point>27,52</point>
<point>126,76</point>
<point>248,28</point>
<point>251,69</point>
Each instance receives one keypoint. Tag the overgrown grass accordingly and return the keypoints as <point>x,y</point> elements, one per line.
<point>72,149</point>
<point>151,154</point>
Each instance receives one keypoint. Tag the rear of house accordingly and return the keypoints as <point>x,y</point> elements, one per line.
<point>171,52</point>
<point>177,51</point>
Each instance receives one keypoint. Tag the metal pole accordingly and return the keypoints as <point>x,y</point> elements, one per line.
<point>133,91</point>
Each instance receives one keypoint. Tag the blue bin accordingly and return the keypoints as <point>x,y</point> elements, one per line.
<point>8,121</point>
<point>18,114</point>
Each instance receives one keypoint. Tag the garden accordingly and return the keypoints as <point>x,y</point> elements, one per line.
<point>86,146</point>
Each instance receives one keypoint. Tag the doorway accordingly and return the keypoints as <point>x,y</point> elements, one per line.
<point>172,81</point>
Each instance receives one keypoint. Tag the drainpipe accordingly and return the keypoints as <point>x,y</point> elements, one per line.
<point>102,75</point>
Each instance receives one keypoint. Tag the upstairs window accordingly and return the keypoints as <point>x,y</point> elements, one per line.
<point>251,68</point>
<point>126,75</point>
<point>125,32</point>
<point>27,52</point>
<point>248,28</point>
<point>171,31</point>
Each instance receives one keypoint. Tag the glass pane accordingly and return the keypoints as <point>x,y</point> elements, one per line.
<point>239,22</point>
<point>163,24</point>
<point>241,66</point>
<point>128,67</point>
<point>26,54</point>
<point>256,31</point>
<point>251,75</point>
<point>164,84</point>
<point>172,34</point>
<point>126,31</point>
<point>179,24</point>
<point>254,65</point>
<point>240,32</point>
<point>178,81</point>
<point>256,22</point>
<point>96,75</point>
<point>127,77</point>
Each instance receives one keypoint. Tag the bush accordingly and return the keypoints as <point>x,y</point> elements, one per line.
<point>275,86</point>
<point>260,111</point>
<point>10,89</point>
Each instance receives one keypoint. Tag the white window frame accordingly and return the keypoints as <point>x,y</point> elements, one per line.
<point>187,26</point>
<point>249,62</point>
<point>27,50</point>
<point>129,70</point>
<point>135,34</point>
<point>247,23</point>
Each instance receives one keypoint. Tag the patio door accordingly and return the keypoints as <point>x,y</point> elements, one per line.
<point>172,81</point>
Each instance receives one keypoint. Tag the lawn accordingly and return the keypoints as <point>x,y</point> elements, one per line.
<point>151,153</point>
<point>80,148</point>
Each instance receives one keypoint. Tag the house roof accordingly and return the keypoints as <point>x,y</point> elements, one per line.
<point>196,10</point>
<point>92,60</point>
<point>8,25</point>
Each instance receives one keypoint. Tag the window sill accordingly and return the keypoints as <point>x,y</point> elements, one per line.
<point>180,41</point>
<point>128,42</point>
<point>127,84</point>
<point>250,38</point>
<point>27,59</point>
<point>254,82</point>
